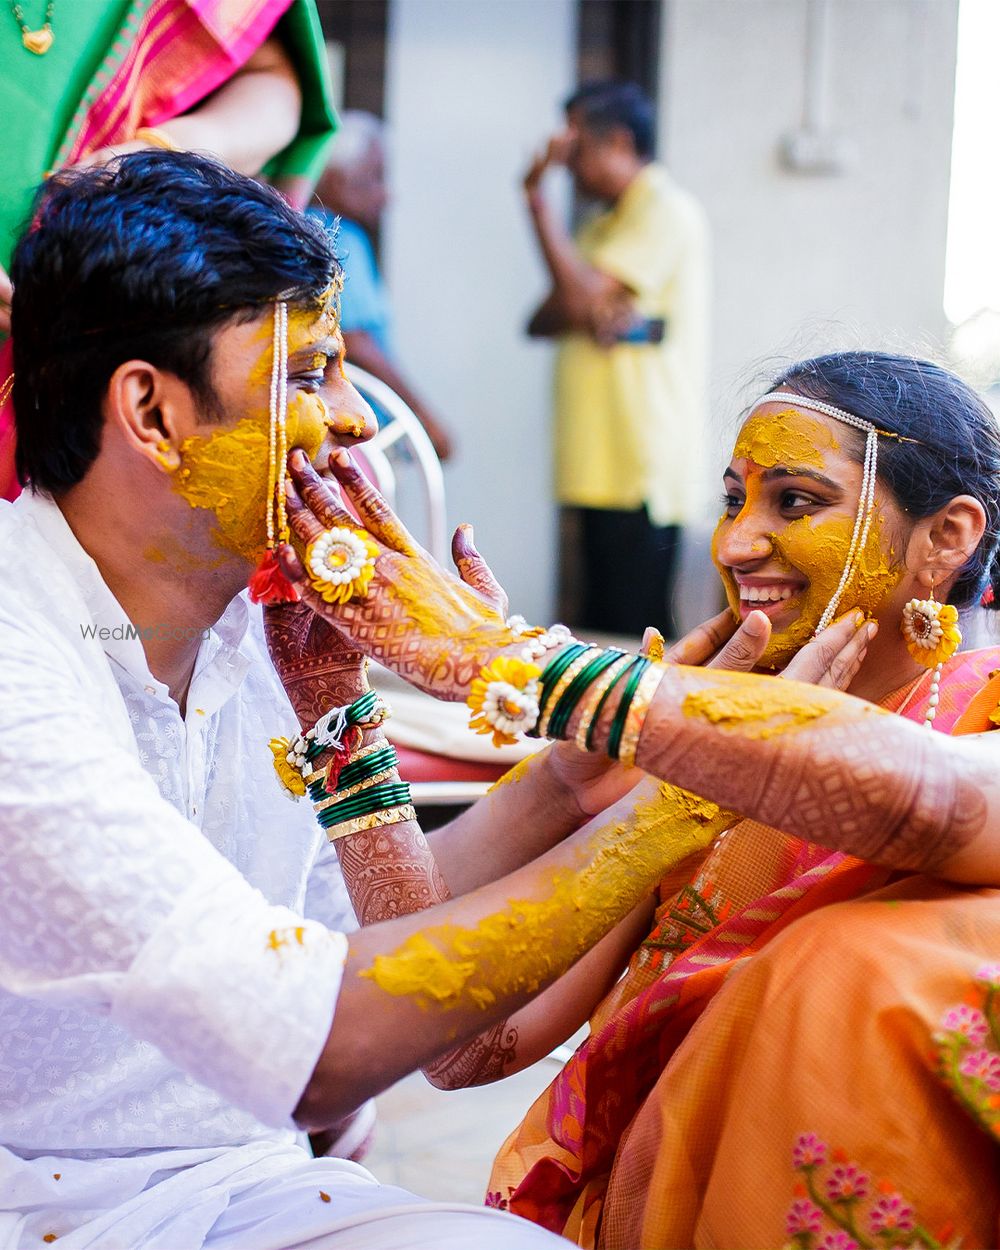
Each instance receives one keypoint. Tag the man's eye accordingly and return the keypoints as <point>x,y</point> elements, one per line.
<point>309,381</point>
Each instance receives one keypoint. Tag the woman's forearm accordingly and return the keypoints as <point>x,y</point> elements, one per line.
<point>829,768</point>
<point>248,119</point>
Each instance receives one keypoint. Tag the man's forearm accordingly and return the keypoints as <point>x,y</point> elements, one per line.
<point>525,814</point>
<point>576,284</point>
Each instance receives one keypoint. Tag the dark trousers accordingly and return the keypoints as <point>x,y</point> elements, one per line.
<point>627,570</point>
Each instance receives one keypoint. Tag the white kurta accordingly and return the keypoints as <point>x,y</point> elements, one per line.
<point>172,937</point>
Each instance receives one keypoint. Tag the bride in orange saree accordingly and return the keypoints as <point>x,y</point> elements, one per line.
<point>805,1048</point>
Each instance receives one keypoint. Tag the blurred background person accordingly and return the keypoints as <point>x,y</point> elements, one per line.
<point>354,189</point>
<point>629,307</point>
<point>243,79</point>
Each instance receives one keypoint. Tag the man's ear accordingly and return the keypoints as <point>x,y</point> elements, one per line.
<point>152,409</point>
<point>940,544</point>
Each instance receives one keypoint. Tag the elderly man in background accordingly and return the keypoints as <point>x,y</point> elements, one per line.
<point>353,187</point>
<point>628,305</point>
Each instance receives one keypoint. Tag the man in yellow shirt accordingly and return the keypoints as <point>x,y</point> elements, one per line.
<point>629,306</point>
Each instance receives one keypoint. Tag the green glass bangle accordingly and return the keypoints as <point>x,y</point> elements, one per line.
<point>623,675</point>
<point>618,723</point>
<point>362,769</point>
<point>370,800</point>
<point>574,692</point>
<point>551,674</point>
<point>390,794</point>
<point>334,816</point>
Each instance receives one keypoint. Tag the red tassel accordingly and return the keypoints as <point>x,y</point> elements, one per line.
<point>352,740</point>
<point>987,598</point>
<point>268,584</point>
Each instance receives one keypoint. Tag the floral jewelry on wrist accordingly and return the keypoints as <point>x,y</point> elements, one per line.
<point>340,564</point>
<point>503,699</point>
<point>537,640</point>
<point>339,730</point>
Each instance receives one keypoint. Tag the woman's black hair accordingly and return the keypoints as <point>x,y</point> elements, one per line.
<point>144,258</point>
<point>956,449</point>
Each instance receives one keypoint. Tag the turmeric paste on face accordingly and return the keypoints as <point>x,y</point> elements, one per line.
<point>815,548</point>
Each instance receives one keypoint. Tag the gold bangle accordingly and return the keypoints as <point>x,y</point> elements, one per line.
<point>636,717</point>
<point>154,137</point>
<point>374,820</point>
<point>340,795</point>
<point>378,745</point>
<point>594,696</point>
<point>557,690</point>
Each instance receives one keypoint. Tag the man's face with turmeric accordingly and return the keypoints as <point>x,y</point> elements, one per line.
<point>224,465</point>
<point>792,493</point>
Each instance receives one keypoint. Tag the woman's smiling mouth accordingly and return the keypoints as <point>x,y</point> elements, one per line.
<point>765,595</point>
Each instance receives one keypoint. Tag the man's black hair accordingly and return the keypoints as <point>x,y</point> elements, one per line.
<point>144,258</point>
<point>608,104</point>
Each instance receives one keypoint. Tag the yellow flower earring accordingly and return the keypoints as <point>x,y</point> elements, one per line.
<point>930,630</point>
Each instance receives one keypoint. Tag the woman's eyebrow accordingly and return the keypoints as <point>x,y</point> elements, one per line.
<point>770,475</point>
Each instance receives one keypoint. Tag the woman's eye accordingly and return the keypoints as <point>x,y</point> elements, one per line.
<point>792,499</point>
<point>732,504</point>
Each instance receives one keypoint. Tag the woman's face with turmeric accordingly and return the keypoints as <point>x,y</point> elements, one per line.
<point>791,501</point>
<point>224,466</point>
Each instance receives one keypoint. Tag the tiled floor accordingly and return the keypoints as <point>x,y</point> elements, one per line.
<point>441,1145</point>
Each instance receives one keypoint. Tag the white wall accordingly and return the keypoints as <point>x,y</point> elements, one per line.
<point>806,263</point>
<point>472,87</point>
<point>803,261</point>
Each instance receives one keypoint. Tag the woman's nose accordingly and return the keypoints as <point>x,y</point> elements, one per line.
<point>743,540</point>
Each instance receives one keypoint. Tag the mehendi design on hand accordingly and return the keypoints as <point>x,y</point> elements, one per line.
<point>390,872</point>
<point>856,779</point>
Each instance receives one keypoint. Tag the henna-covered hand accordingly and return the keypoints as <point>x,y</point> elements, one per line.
<point>317,665</point>
<point>434,629</point>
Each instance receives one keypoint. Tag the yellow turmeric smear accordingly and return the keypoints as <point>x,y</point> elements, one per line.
<point>818,550</point>
<point>521,947</point>
<point>285,937</point>
<point>308,422</point>
<point>306,325</point>
<point>512,775</point>
<point>427,601</point>
<point>227,473</point>
<point>754,712</point>
<point>787,438</point>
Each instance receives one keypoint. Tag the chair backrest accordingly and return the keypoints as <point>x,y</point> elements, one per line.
<point>402,444</point>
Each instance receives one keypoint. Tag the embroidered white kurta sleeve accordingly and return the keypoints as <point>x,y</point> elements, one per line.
<point>112,901</point>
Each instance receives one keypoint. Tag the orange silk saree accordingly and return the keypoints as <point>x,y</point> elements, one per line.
<point>799,1054</point>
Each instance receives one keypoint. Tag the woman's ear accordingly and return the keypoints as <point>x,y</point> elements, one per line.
<point>148,408</point>
<point>940,544</point>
